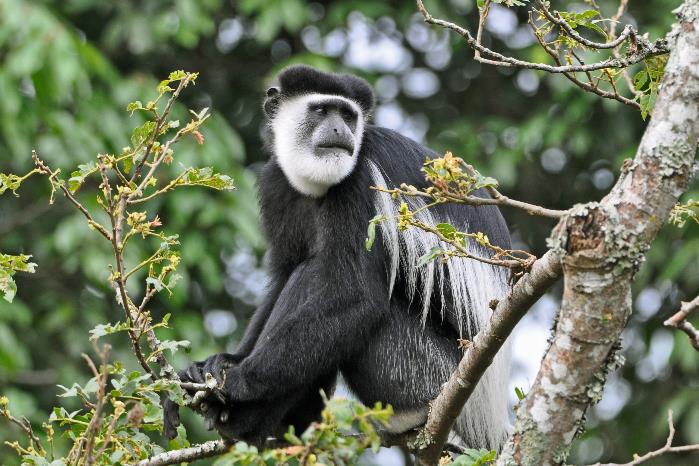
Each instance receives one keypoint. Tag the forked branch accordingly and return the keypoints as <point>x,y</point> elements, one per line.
<point>679,321</point>
<point>667,448</point>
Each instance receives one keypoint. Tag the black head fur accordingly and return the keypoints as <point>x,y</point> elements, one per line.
<point>302,79</point>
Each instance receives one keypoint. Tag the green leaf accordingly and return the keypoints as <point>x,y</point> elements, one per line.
<point>173,345</point>
<point>433,254</point>
<point>177,75</point>
<point>180,441</point>
<point>8,287</point>
<point>141,133</point>
<point>520,393</point>
<point>290,436</point>
<point>77,178</point>
<point>9,265</point>
<point>9,181</point>
<point>484,181</point>
<point>157,284</point>
<point>133,106</point>
<point>640,80</point>
<point>584,19</point>
<point>128,164</point>
<point>107,329</point>
<point>206,177</point>
<point>647,102</point>
<point>371,231</point>
<point>475,457</point>
<point>447,230</point>
<point>18,263</point>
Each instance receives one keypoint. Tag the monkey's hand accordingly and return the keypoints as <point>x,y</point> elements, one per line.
<point>212,403</point>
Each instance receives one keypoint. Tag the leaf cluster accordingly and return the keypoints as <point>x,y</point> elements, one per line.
<point>347,429</point>
<point>9,265</point>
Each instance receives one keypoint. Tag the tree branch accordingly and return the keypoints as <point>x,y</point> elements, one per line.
<point>634,56</point>
<point>587,86</point>
<point>479,355</point>
<point>187,455</point>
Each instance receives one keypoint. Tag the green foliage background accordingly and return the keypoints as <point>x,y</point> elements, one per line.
<point>68,68</point>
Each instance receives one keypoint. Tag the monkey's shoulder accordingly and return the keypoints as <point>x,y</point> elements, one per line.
<point>398,157</point>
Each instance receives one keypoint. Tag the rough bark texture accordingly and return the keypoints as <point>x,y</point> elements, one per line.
<point>478,357</point>
<point>185,455</point>
<point>604,244</point>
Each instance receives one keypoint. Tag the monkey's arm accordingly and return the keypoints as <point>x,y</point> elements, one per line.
<point>215,364</point>
<point>311,330</point>
<point>320,318</point>
<point>259,319</point>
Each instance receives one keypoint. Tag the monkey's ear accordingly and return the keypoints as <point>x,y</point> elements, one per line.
<point>271,102</point>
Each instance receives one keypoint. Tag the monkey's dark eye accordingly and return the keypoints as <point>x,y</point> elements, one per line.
<point>319,109</point>
<point>347,114</point>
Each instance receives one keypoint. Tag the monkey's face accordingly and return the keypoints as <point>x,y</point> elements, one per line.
<point>316,139</point>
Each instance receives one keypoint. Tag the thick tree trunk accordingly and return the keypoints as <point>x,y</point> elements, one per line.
<point>604,243</point>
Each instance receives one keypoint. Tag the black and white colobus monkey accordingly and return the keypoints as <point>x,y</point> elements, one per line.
<point>389,327</point>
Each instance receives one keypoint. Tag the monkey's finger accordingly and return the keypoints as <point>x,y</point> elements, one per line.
<point>195,373</point>
<point>220,396</point>
<point>210,423</point>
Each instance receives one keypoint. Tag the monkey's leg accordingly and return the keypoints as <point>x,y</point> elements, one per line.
<point>403,364</point>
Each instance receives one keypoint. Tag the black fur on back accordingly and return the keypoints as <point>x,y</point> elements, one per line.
<point>302,79</point>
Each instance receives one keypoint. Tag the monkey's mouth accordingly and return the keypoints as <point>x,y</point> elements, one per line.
<point>334,148</point>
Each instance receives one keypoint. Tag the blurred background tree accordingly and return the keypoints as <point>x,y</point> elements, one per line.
<point>70,67</point>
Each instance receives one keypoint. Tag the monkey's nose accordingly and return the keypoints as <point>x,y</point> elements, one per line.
<point>336,131</point>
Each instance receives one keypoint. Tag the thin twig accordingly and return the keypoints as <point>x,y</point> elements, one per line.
<point>26,426</point>
<point>461,251</point>
<point>482,17</point>
<point>556,19</point>
<point>159,125</point>
<point>679,321</point>
<point>171,185</point>
<point>96,421</point>
<point>115,210</point>
<point>623,4</point>
<point>667,448</point>
<point>657,48</point>
<point>590,87</point>
<point>499,200</point>
<point>612,33</point>
<point>41,165</point>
